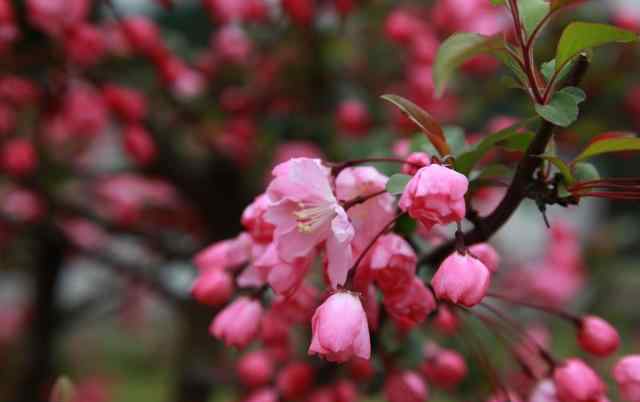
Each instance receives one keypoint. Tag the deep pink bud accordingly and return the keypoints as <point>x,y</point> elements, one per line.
<point>84,44</point>
<point>577,382</point>
<point>212,287</point>
<point>225,254</point>
<point>597,336</point>
<point>627,375</point>
<point>340,329</point>
<point>401,26</point>
<point>406,386</point>
<point>18,91</point>
<point>129,104</point>
<point>446,321</point>
<point>7,119</point>
<point>345,7</point>
<point>353,118</point>
<point>361,369</point>
<point>255,369</point>
<point>299,11</point>
<point>22,205</point>
<point>345,391</point>
<point>294,380</point>
<point>266,394</point>
<point>415,162</point>
<point>144,37</point>
<point>139,144</point>
<point>238,323</point>
<point>435,195</point>
<point>18,157</point>
<point>446,368</point>
<point>393,263</point>
<point>411,306</point>
<point>486,254</point>
<point>232,44</point>
<point>253,220</point>
<point>461,279</point>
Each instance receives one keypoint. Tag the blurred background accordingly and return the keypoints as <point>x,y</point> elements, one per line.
<point>134,132</point>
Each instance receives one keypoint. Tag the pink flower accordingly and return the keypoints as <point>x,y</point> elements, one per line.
<point>128,104</point>
<point>213,287</point>
<point>597,336</point>
<point>294,380</point>
<point>283,277</point>
<point>225,254</point>
<point>262,395</point>
<point>410,306</point>
<point>18,157</point>
<point>544,391</point>
<point>446,321</point>
<point>627,375</point>
<point>306,213</point>
<point>254,221</point>
<point>340,329</point>
<point>435,195</point>
<point>393,263</point>
<point>415,162</point>
<point>238,323</point>
<point>353,118</point>
<point>577,382</point>
<point>487,255</point>
<point>370,217</point>
<point>139,144</point>
<point>255,369</point>
<point>446,368</point>
<point>406,386</point>
<point>461,279</point>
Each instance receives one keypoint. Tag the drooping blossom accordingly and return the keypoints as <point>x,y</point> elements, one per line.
<point>306,213</point>
<point>213,287</point>
<point>461,279</point>
<point>444,368</point>
<point>415,162</point>
<point>238,324</point>
<point>255,369</point>
<point>393,263</point>
<point>435,195</point>
<point>340,330</point>
<point>577,382</point>
<point>411,306</point>
<point>626,373</point>
<point>487,255</point>
<point>597,336</point>
<point>254,221</point>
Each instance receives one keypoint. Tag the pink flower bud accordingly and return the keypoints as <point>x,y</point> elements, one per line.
<point>597,336</point>
<point>486,254</point>
<point>393,263</point>
<point>144,37</point>
<point>446,368</point>
<point>294,380</point>
<point>255,369</point>
<point>461,279</point>
<point>213,287</point>
<point>345,391</point>
<point>415,162</point>
<point>340,329</point>
<point>353,118</point>
<point>435,195</point>
<point>401,26</point>
<point>18,157</point>
<point>84,44</point>
<point>361,369</point>
<point>225,254</point>
<point>232,44</point>
<point>238,323</point>
<point>266,394</point>
<point>254,222</point>
<point>406,386</point>
<point>544,391</point>
<point>446,321</point>
<point>411,306</point>
<point>129,104</point>
<point>301,12</point>
<point>577,382</point>
<point>18,91</point>
<point>626,372</point>
<point>139,144</point>
<point>22,205</point>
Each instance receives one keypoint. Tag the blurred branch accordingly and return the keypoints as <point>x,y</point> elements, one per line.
<point>518,189</point>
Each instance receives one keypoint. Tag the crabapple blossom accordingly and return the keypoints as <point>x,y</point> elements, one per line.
<point>626,373</point>
<point>306,213</point>
<point>213,287</point>
<point>486,254</point>
<point>139,144</point>
<point>18,157</point>
<point>405,386</point>
<point>393,263</point>
<point>294,380</point>
<point>283,277</point>
<point>410,306</point>
<point>301,12</point>
<point>225,254</point>
<point>597,336</point>
<point>254,221</point>
<point>238,324</point>
<point>128,104</point>
<point>435,195</point>
<point>353,118</point>
<point>340,330</point>
<point>577,382</point>
<point>255,369</point>
<point>266,394</point>
<point>415,161</point>
<point>544,391</point>
<point>461,279</point>
<point>444,368</point>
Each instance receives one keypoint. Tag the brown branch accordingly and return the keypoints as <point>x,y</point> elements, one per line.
<point>518,189</point>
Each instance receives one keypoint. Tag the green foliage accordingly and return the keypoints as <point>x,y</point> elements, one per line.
<point>532,13</point>
<point>397,183</point>
<point>563,168</point>
<point>583,171</point>
<point>562,110</point>
<point>608,146</point>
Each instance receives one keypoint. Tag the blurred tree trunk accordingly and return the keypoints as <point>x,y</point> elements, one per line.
<point>39,350</point>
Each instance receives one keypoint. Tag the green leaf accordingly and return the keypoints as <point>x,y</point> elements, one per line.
<point>608,146</point>
<point>532,12</point>
<point>562,110</point>
<point>557,4</point>
<point>517,142</point>
<point>491,172</point>
<point>467,160</point>
<point>455,138</point>
<point>397,183</point>
<point>563,168</point>
<point>583,171</point>
<point>405,225</point>
<point>497,2</point>
<point>579,36</point>
<point>456,50</point>
<point>429,126</point>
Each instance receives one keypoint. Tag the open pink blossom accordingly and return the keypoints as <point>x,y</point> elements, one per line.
<point>254,222</point>
<point>597,336</point>
<point>238,323</point>
<point>461,279</point>
<point>283,277</point>
<point>393,263</point>
<point>487,255</point>
<point>435,195</point>
<point>306,213</point>
<point>577,382</point>
<point>627,375</point>
<point>544,391</point>
<point>370,217</point>
<point>340,329</point>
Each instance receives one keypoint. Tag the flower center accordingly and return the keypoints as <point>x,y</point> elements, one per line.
<point>311,216</point>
